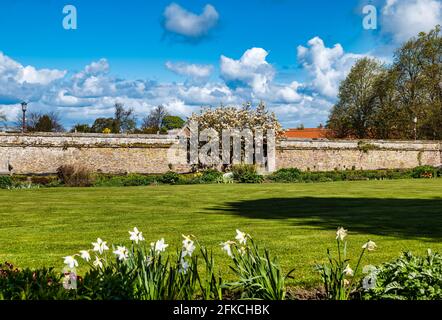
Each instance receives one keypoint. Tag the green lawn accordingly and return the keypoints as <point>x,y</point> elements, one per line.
<point>296,221</point>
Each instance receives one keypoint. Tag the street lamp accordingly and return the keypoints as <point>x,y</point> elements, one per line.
<point>24,107</point>
<point>415,127</point>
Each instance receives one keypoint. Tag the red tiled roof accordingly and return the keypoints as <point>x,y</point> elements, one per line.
<point>307,133</point>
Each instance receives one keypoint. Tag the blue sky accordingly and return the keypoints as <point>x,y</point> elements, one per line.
<point>187,54</point>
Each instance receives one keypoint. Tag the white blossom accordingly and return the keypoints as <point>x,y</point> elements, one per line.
<point>159,246</point>
<point>84,254</point>
<point>98,262</point>
<point>341,234</point>
<point>70,262</point>
<point>348,271</point>
<point>241,237</point>
<point>370,246</point>
<point>136,235</point>
<point>188,246</point>
<point>122,253</point>
<point>100,246</point>
<point>227,247</point>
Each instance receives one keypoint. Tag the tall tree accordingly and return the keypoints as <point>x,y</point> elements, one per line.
<point>124,119</point>
<point>351,115</point>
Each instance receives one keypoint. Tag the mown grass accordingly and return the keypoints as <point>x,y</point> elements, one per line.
<point>297,222</point>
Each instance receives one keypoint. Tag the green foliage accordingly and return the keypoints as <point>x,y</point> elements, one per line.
<point>426,172</point>
<point>246,173</point>
<point>27,284</point>
<point>259,275</point>
<point>378,101</point>
<point>173,122</point>
<point>5,182</point>
<point>286,175</point>
<point>170,178</point>
<point>409,277</point>
<point>130,180</point>
<point>82,128</point>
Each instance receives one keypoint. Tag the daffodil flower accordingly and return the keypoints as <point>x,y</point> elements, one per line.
<point>70,262</point>
<point>241,237</point>
<point>98,262</point>
<point>348,271</point>
<point>341,234</point>
<point>227,247</point>
<point>370,246</point>
<point>122,253</point>
<point>188,246</point>
<point>85,255</point>
<point>100,246</point>
<point>136,235</point>
<point>159,246</point>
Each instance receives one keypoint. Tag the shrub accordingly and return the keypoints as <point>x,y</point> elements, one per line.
<point>246,173</point>
<point>407,278</point>
<point>75,176</point>
<point>27,284</point>
<point>286,175</point>
<point>5,182</point>
<point>211,176</point>
<point>170,178</point>
<point>424,172</point>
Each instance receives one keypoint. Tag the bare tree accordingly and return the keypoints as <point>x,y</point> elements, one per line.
<point>155,118</point>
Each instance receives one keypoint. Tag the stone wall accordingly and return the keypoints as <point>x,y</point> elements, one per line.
<point>44,153</point>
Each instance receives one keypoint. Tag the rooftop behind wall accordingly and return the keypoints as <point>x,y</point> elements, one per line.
<point>42,153</point>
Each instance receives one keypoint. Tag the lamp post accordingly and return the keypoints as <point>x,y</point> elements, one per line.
<point>24,107</point>
<point>415,127</point>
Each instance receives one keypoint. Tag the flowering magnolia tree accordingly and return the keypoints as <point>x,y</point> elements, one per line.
<point>222,118</point>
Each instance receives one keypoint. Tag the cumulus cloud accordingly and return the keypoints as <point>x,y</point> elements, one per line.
<point>326,66</point>
<point>180,21</point>
<point>251,69</point>
<point>92,92</point>
<point>189,70</point>
<point>406,18</point>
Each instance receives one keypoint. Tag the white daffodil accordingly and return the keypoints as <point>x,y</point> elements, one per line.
<point>184,266</point>
<point>348,271</point>
<point>136,235</point>
<point>98,262</point>
<point>122,253</point>
<point>70,262</point>
<point>188,246</point>
<point>227,247</point>
<point>242,250</point>
<point>85,255</point>
<point>159,246</point>
<point>100,246</point>
<point>370,246</point>
<point>241,237</point>
<point>341,234</point>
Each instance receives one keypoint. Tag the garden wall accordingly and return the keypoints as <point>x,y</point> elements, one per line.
<point>44,153</point>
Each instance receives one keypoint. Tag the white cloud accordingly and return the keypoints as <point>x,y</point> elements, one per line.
<point>185,23</point>
<point>190,70</point>
<point>406,18</point>
<point>326,66</point>
<point>251,69</point>
<point>91,93</point>
<point>12,71</point>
